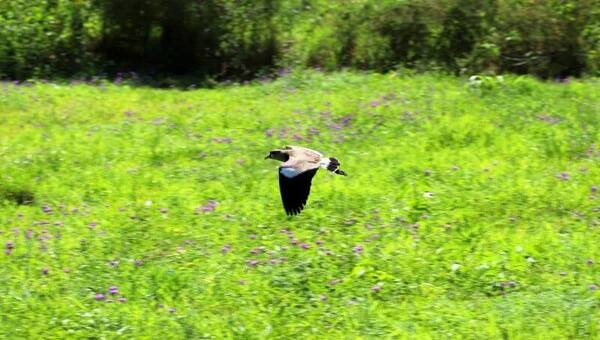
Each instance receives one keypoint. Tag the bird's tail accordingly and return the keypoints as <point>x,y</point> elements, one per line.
<point>333,165</point>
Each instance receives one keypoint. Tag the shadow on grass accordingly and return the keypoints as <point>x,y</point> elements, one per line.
<point>188,81</point>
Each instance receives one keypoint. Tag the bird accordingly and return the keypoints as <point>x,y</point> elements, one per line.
<point>299,166</point>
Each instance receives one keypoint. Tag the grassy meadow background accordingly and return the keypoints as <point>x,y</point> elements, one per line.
<point>471,209</point>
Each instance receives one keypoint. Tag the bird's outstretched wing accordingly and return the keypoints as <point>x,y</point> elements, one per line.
<point>295,188</point>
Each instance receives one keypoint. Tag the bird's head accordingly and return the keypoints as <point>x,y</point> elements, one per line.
<point>278,155</point>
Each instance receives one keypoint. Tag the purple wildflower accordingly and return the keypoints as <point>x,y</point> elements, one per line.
<point>45,271</point>
<point>46,209</point>
<point>138,263</point>
<point>222,140</point>
<point>10,245</point>
<point>346,120</point>
<point>375,103</point>
<point>113,290</point>
<point>509,284</point>
<point>305,245</point>
<point>563,176</point>
<point>297,137</point>
<point>358,249</point>
<point>226,248</point>
<point>209,206</point>
<point>593,287</point>
<point>99,297</point>
<point>252,263</point>
<point>92,225</point>
<point>257,250</point>
<point>594,188</point>
<point>319,242</point>
<point>122,299</point>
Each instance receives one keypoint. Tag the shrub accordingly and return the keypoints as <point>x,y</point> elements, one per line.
<point>240,38</point>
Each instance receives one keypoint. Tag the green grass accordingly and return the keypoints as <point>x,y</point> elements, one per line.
<point>499,249</point>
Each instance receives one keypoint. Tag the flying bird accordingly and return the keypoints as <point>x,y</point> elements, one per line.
<point>296,172</point>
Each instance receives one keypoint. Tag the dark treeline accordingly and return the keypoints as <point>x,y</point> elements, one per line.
<point>242,38</point>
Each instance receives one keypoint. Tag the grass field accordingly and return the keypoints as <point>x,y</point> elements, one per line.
<point>470,210</point>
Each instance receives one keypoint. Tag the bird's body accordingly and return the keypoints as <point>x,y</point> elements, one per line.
<point>296,172</point>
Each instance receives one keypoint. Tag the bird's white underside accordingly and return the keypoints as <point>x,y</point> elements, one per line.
<point>289,172</point>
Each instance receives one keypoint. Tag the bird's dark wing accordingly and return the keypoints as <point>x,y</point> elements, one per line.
<point>295,190</point>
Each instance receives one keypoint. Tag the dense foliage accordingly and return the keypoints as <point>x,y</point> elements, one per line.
<point>471,210</point>
<point>241,38</point>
